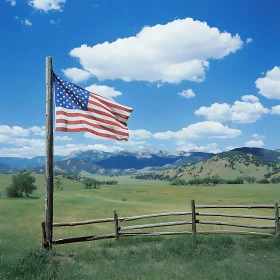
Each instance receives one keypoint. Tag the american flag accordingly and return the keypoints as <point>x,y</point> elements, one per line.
<point>80,110</point>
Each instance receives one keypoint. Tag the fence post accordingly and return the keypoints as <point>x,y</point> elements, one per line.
<point>44,243</point>
<point>116,224</point>
<point>276,214</point>
<point>193,217</point>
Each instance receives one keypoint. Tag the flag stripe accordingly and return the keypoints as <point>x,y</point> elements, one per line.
<point>88,128</point>
<point>95,105</point>
<point>106,106</point>
<point>110,103</point>
<point>92,115</point>
<point>94,123</point>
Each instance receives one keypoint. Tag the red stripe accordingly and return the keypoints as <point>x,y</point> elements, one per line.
<point>116,123</point>
<point>92,125</point>
<point>104,114</point>
<point>113,112</point>
<point>114,105</point>
<point>90,131</point>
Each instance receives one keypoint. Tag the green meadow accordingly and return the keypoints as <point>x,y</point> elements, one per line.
<point>172,257</point>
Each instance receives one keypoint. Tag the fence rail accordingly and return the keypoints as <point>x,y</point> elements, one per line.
<point>120,230</point>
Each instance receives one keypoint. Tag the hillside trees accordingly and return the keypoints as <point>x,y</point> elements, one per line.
<point>22,184</point>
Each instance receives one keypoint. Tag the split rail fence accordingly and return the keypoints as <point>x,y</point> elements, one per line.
<point>120,230</point>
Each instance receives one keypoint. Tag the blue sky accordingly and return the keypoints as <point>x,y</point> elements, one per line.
<point>200,75</point>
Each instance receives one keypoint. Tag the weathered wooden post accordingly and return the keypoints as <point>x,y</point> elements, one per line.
<point>193,217</point>
<point>116,224</point>
<point>49,154</point>
<point>276,214</point>
<point>44,243</point>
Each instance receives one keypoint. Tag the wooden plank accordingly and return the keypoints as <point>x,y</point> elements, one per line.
<point>235,224</point>
<point>276,214</point>
<point>153,233</point>
<point>116,224</point>
<point>193,217</point>
<point>178,223</point>
<point>254,206</point>
<point>83,238</point>
<point>73,224</point>
<point>236,216</point>
<point>235,232</point>
<point>127,219</point>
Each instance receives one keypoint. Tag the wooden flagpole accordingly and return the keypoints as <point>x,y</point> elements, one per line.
<point>49,155</point>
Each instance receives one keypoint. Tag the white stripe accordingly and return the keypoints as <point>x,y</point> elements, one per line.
<point>92,98</point>
<point>81,126</point>
<point>101,109</point>
<point>110,101</point>
<point>62,117</point>
<point>77,111</point>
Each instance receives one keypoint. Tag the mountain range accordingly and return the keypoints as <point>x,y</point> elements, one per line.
<point>105,163</point>
<point>130,162</point>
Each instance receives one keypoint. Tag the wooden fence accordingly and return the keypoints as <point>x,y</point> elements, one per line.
<point>120,230</point>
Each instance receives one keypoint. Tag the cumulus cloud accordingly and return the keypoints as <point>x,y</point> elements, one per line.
<point>249,40</point>
<point>63,138</point>
<point>191,147</point>
<point>188,93</point>
<point>12,2</point>
<point>257,136</point>
<point>105,91</point>
<point>247,111</point>
<point>76,75</point>
<point>171,53</point>
<point>41,131</point>
<point>139,134</point>
<point>250,98</point>
<point>269,85</point>
<point>254,143</point>
<point>15,131</point>
<point>275,110</point>
<point>207,129</point>
<point>47,5</point>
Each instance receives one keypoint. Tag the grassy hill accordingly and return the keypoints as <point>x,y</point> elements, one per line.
<point>228,165</point>
<point>175,257</point>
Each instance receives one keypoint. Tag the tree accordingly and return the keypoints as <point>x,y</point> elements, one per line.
<point>58,183</point>
<point>22,183</point>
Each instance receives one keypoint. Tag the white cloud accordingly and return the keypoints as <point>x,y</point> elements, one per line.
<point>275,110</point>
<point>188,93</point>
<point>52,21</point>
<point>139,134</point>
<point>76,75</point>
<point>47,5</point>
<point>130,143</point>
<point>250,98</point>
<point>27,22</point>
<point>105,91</point>
<point>269,85</point>
<point>41,131</point>
<point>63,138</point>
<point>229,148</point>
<point>15,131</point>
<point>208,129</point>
<point>16,17</point>
<point>254,143</point>
<point>12,2</point>
<point>191,147</point>
<point>249,40</point>
<point>247,111</point>
<point>257,136</point>
<point>171,53</point>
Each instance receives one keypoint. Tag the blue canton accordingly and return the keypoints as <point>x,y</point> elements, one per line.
<point>70,96</point>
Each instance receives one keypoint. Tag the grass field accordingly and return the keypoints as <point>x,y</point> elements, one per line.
<point>176,257</point>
